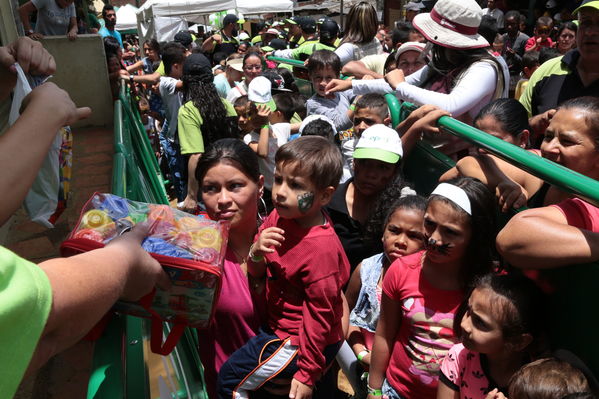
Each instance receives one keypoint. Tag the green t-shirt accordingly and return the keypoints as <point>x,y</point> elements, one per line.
<point>25,302</point>
<point>160,69</point>
<point>189,127</point>
<point>304,51</point>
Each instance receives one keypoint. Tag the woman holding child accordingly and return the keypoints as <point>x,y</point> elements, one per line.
<point>231,185</point>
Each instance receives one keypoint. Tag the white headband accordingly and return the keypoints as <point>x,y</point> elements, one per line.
<point>455,195</point>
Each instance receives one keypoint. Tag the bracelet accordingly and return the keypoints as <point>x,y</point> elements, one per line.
<point>374,392</point>
<point>353,107</point>
<point>265,126</point>
<point>254,258</point>
<point>363,354</point>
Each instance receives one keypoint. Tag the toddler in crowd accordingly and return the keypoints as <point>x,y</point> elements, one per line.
<point>306,269</point>
<point>318,125</point>
<point>243,110</point>
<point>270,117</point>
<point>541,37</point>
<point>403,235</point>
<point>422,292</point>
<point>530,63</point>
<point>500,330</point>
<point>324,66</point>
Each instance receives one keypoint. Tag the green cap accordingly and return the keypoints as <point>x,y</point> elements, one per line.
<point>587,3</point>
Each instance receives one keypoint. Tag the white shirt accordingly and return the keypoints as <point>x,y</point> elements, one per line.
<point>280,135</point>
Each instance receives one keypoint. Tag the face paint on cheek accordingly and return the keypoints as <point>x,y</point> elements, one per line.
<point>430,244</point>
<point>305,201</point>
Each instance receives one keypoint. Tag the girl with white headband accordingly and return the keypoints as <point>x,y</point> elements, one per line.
<point>422,292</point>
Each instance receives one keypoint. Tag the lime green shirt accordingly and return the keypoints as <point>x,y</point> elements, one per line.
<point>189,127</point>
<point>25,302</point>
<point>160,69</point>
<point>305,50</point>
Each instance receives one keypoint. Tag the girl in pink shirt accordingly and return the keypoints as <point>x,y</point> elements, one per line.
<point>423,291</point>
<point>499,328</point>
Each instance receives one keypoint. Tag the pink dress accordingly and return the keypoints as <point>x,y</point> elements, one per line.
<point>238,316</point>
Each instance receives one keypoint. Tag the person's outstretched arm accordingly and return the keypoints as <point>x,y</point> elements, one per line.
<point>541,238</point>
<point>45,110</point>
<point>85,286</point>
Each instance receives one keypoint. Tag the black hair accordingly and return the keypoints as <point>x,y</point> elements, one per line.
<point>287,76</point>
<point>172,53</point>
<point>107,7</point>
<point>321,128</point>
<point>548,53</point>
<point>580,395</point>
<point>530,59</point>
<point>299,101</point>
<point>488,28</point>
<point>512,14</point>
<point>111,45</point>
<point>285,104</point>
<point>544,21</point>
<point>241,101</point>
<point>231,151</point>
<point>520,308</point>
<point>567,25</point>
<point>407,202</point>
<point>321,59</point>
<point>448,61</point>
<point>510,113</point>
<point>590,105</point>
<point>252,53</point>
<point>218,57</point>
<point>153,45</point>
<point>375,101</point>
<point>399,37</point>
<point>216,124</point>
<point>480,252</point>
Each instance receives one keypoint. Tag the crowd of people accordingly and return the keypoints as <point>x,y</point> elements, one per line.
<point>333,260</point>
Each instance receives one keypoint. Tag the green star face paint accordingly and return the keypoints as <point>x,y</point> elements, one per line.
<point>305,201</point>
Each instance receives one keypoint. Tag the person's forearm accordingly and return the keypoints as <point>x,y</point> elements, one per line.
<point>379,361</point>
<point>192,182</point>
<point>358,69</point>
<point>73,25</point>
<point>151,79</point>
<point>84,288</point>
<point>24,15</point>
<point>263,141</point>
<point>553,245</point>
<point>208,45</point>
<point>35,129</point>
<point>355,339</point>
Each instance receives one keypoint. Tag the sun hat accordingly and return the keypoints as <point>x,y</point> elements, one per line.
<point>453,24</point>
<point>259,92</point>
<point>409,46</point>
<point>379,142</point>
<point>587,3</point>
<point>414,6</point>
<point>236,63</point>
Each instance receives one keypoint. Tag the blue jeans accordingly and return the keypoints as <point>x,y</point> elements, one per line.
<point>389,392</point>
<point>176,163</point>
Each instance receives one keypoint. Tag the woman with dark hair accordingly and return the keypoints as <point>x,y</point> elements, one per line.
<point>203,119</point>
<point>462,77</point>
<point>360,37</point>
<point>566,37</point>
<point>506,119</point>
<point>152,55</point>
<point>253,64</point>
<point>231,185</point>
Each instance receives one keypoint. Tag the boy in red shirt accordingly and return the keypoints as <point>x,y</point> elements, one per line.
<point>541,38</point>
<point>306,268</point>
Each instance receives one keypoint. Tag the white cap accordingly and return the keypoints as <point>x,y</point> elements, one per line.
<point>244,36</point>
<point>409,46</point>
<point>381,143</point>
<point>259,91</point>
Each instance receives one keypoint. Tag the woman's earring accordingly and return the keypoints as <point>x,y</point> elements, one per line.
<point>262,213</point>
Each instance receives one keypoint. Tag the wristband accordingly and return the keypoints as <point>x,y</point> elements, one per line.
<point>254,258</point>
<point>265,126</point>
<point>363,354</point>
<point>374,392</point>
<point>353,107</point>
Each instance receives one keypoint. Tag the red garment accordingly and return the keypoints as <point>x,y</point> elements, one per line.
<point>305,277</point>
<point>532,42</point>
<point>580,214</point>
<point>426,331</point>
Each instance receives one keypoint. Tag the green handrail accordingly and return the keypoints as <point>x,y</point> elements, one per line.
<point>551,172</point>
<point>288,61</point>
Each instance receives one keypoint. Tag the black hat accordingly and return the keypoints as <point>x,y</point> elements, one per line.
<point>197,65</point>
<point>293,20</point>
<point>308,24</point>
<point>329,29</point>
<point>276,80</point>
<point>230,19</point>
<point>184,38</point>
<point>278,44</point>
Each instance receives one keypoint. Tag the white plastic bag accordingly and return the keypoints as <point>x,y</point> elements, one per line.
<point>42,199</point>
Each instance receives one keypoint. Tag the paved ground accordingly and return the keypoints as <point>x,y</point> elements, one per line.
<point>66,375</point>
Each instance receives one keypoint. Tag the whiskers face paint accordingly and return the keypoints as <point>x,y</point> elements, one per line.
<point>305,201</point>
<point>430,244</point>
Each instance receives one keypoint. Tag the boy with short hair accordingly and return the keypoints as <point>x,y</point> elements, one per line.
<point>170,86</point>
<point>307,268</point>
<point>541,38</point>
<point>370,109</point>
<point>324,66</point>
<point>530,63</point>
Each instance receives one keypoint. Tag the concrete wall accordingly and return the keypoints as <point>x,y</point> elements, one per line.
<point>81,70</point>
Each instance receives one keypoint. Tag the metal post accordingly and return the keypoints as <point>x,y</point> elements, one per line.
<point>341,14</point>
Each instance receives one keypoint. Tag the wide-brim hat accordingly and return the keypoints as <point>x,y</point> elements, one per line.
<point>453,24</point>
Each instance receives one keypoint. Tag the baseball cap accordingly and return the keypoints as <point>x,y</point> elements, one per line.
<point>198,65</point>
<point>230,19</point>
<point>409,46</point>
<point>308,24</point>
<point>329,29</point>
<point>184,38</point>
<point>276,80</point>
<point>381,143</point>
<point>587,3</point>
<point>244,36</point>
<point>292,20</point>
<point>236,63</point>
<point>272,31</point>
<point>259,92</point>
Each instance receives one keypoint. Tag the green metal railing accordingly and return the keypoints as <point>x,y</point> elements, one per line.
<point>119,366</point>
